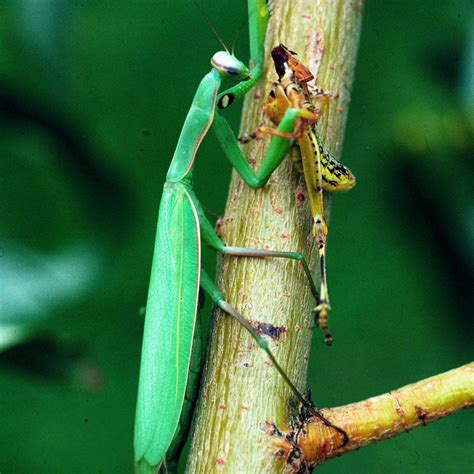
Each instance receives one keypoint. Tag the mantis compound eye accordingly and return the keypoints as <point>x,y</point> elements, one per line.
<point>229,66</point>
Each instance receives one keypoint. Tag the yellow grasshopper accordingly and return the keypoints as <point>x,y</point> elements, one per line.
<point>322,172</point>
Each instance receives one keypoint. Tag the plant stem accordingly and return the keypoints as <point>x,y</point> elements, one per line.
<point>241,390</point>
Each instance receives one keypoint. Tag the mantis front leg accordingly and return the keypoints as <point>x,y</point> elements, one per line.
<point>278,149</point>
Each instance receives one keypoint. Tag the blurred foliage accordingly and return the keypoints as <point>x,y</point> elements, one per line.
<point>93,96</point>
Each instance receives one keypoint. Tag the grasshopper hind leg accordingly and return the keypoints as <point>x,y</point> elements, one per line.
<point>321,311</point>
<point>307,406</point>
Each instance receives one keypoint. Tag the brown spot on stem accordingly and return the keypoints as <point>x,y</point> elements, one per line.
<point>400,412</point>
<point>267,329</point>
<point>219,225</point>
<point>300,198</point>
<point>421,414</point>
<point>238,190</point>
<point>244,350</point>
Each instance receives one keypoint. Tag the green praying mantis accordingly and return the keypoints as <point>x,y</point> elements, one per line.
<point>168,363</point>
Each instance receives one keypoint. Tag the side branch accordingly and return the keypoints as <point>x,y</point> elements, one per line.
<point>382,417</point>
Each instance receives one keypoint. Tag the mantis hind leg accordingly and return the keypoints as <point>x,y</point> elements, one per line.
<point>209,235</point>
<point>213,291</point>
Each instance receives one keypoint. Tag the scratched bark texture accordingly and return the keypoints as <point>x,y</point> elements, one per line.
<point>241,390</point>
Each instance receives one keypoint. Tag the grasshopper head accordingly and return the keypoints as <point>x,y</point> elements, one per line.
<point>229,66</point>
<point>284,59</point>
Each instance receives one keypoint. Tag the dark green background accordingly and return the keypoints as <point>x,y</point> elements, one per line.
<point>120,76</point>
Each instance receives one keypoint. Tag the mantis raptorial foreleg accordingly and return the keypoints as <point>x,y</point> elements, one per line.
<point>276,152</point>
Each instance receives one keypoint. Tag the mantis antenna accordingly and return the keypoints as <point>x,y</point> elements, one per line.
<point>211,25</point>
<point>241,27</point>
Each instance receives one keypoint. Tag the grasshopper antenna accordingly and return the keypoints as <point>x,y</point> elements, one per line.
<point>209,22</point>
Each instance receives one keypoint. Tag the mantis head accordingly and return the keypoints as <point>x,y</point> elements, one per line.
<point>228,66</point>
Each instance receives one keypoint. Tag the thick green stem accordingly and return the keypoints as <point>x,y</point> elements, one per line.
<point>241,389</point>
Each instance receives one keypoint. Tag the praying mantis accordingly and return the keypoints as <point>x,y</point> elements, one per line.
<point>167,371</point>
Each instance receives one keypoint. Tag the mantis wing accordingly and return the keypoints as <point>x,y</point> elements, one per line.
<point>169,326</point>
